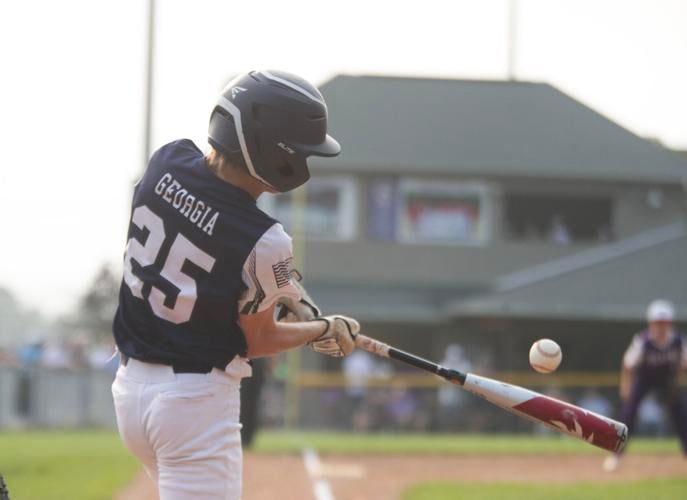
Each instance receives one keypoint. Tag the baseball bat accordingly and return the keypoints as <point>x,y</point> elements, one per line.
<point>583,424</point>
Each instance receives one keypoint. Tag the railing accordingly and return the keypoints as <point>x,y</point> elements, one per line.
<point>42,397</point>
<point>419,380</point>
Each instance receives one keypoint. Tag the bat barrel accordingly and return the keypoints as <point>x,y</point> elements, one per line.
<point>563,417</point>
<point>583,424</point>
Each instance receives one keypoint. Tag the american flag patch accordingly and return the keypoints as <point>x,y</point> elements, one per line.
<point>282,272</point>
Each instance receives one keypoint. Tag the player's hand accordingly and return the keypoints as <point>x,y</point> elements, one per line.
<point>338,339</point>
<point>304,309</point>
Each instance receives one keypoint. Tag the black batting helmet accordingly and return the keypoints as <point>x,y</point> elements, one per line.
<point>272,121</point>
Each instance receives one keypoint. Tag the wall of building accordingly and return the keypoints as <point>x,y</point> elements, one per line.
<point>404,265</point>
<point>360,258</point>
<point>638,208</point>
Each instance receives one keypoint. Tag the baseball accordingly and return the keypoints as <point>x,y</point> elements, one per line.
<point>545,355</point>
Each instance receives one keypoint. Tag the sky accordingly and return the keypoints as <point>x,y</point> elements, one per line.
<point>72,99</point>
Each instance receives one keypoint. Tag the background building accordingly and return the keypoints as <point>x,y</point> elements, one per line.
<point>490,213</point>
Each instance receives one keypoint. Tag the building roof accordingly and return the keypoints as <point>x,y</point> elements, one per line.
<point>484,128</point>
<point>612,282</point>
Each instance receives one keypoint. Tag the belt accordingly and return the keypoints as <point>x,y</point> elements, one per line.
<point>178,366</point>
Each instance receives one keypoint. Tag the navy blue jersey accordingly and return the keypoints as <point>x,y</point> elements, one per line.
<point>191,251</point>
<point>656,365</point>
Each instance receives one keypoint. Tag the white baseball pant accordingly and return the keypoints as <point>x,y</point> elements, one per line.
<point>183,427</point>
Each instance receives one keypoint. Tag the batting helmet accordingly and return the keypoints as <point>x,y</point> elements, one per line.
<point>272,121</point>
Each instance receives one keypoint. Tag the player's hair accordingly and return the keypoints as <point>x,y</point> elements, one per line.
<point>218,162</point>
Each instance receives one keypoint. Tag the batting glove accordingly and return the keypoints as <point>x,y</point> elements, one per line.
<point>338,339</point>
<point>304,309</point>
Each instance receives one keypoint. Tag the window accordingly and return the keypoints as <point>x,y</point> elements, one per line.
<point>329,213</point>
<point>558,219</point>
<point>382,201</point>
<point>441,212</point>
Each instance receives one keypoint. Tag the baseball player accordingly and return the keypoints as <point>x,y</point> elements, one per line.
<point>204,270</point>
<point>4,492</point>
<point>652,363</point>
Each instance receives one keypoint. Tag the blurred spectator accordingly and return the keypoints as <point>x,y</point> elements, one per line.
<point>56,355</point>
<point>6,358</point>
<point>273,397</point>
<point>593,400</point>
<point>402,409</point>
<point>451,398</point>
<point>358,368</point>
<point>251,389</point>
<point>77,351</point>
<point>103,356</point>
<point>31,354</point>
<point>559,234</point>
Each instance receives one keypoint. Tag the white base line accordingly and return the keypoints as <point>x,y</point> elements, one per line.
<point>320,486</point>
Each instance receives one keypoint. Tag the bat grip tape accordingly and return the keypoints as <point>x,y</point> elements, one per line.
<point>451,375</point>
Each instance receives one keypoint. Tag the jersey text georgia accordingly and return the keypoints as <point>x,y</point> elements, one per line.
<point>195,210</point>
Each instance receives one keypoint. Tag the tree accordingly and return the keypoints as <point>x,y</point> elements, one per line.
<point>15,321</point>
<point>98,305</point>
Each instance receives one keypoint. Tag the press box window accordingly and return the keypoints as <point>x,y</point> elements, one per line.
<point>559,219</point>
<point>329,211</point>
<point>432,212</point>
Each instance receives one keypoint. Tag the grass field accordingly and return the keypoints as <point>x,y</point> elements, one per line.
<point>67,465</point>
<point>92,465</point>
<point>667,489</point>
<point>347,443</point>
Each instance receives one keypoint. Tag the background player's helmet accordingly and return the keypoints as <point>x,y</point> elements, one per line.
<point>660,311</point>
<point>272,121</point>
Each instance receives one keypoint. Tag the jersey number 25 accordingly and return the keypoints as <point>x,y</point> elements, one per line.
<point>146,255</point>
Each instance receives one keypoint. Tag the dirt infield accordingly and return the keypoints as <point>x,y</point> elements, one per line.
<point>387,477</point>
<point>383,477</point>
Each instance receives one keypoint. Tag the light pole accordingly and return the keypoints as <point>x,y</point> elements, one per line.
<point>512,37</point>
<point>149,73</point>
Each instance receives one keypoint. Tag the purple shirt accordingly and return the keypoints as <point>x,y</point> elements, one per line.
<point>653,363</point>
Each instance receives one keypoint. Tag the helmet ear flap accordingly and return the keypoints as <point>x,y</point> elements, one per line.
<point>222,133</point>
<point>290,171</point>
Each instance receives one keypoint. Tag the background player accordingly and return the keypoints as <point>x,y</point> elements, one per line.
<point>204,269</point>
<point>652,363</point>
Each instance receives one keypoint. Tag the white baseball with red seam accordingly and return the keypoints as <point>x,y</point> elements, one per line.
<point>545,355</point>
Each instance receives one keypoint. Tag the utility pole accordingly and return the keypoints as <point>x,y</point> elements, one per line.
<point>512,37</point>
<point>149,74</point>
